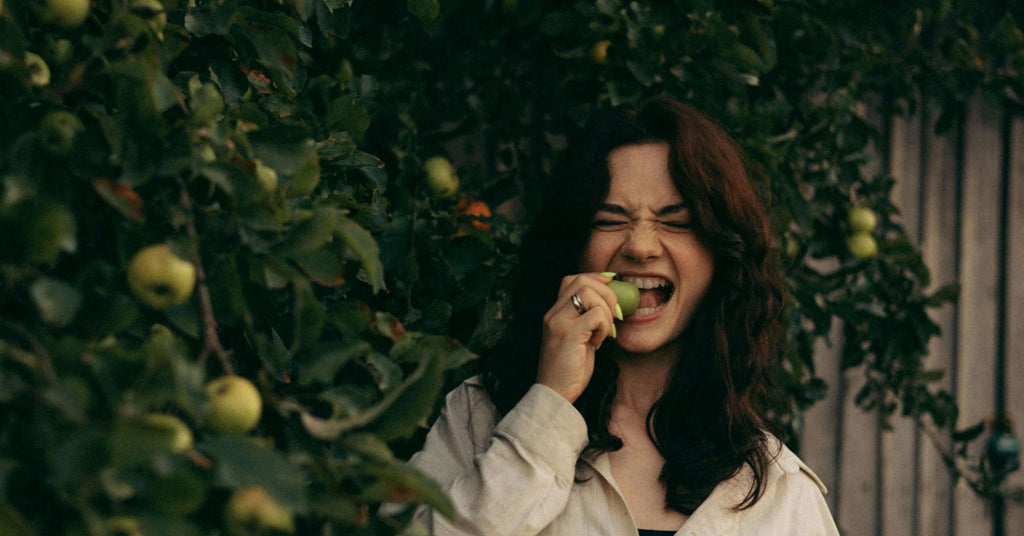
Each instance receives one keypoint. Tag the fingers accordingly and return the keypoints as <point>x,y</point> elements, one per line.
<point>590,294</point>
<point>598,282</point>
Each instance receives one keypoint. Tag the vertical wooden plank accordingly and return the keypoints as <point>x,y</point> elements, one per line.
<point>859,478</point>
<point>905,167</point>
<point>858,483</point>
<point>976,354</point>
<point>899,445</point>
<point>940,206</point>
<point>1014,380</point>
<point>821,432</point>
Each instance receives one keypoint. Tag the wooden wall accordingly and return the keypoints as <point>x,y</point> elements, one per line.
<point>961,197</point>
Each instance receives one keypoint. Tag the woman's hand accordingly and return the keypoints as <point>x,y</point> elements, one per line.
<point>570,338</point>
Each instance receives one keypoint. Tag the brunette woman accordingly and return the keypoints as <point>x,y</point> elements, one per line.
<point>591,422</point>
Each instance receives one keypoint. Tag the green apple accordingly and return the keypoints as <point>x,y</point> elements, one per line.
<point>252,511</point>
<point>861,219</point>
<point>159,278</point>
<point>123,526</point>
<point>179,437</point>
<point>862,245</point>
<point>235,405</point>
<point>441,177</point>
<point>154,14</point>
<point>627,294</point>
<point>38,70</point>
<point>58,131</point>
<point>266,177</point>
<point>792,247</point>
<point>66,13</point>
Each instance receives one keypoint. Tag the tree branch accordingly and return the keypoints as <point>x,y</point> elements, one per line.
<point>211,341</point>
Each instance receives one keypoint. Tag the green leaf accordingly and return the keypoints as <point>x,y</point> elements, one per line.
<point>312,234</point>
<point>12,523</point>
<point>945,294</point>
<point>331,360</point>
<point>56,301</point>
<point>305,179</point>
<point>425,10</point>
<point>402,483</point>
<point>362,243</point>
<point>346,114</point>
<point>241,462</point>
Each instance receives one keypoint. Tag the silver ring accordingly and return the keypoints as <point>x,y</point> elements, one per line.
<point>577,304</point>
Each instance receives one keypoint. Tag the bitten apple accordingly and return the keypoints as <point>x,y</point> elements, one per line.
<point>627,294</point>
<point>159,278</point>
<point>235,405</point>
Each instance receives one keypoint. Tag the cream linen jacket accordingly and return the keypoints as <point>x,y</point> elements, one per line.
<point>525,476</point>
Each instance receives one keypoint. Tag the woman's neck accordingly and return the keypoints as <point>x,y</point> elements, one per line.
<point>643,377</point>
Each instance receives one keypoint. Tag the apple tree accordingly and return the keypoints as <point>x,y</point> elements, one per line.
<point>194,327</point>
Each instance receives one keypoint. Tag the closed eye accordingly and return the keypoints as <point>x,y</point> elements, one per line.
<point>609,225</point>
<point>678,225</point>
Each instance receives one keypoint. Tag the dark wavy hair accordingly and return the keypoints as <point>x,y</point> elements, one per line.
<point>710,420</point>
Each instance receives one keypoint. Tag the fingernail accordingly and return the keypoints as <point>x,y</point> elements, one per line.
<point>618,311</point>
<point>615,334</point>
<point>608,274</point>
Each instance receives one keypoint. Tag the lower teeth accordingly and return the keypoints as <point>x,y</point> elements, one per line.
<point>647,310</point>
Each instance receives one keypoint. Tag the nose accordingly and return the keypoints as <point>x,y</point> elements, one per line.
<point>643,243</point>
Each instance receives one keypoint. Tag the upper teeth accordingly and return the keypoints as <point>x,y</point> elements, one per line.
<point>646,283</point>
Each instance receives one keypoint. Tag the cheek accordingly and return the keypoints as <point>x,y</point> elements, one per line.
<point>597,254</point>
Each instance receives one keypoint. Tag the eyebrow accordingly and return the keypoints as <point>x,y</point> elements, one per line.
<point>664,211</point>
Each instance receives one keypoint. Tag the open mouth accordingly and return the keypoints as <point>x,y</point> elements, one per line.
<point>654,293</point>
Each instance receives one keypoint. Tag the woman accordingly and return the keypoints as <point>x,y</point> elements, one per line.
<point>588,422</point>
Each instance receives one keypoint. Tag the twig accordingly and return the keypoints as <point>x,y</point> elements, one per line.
<point>45,363</point>
<point>951,460</point>
<point>211,342</point>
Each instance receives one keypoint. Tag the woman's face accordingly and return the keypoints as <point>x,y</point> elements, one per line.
<point>643,232</point>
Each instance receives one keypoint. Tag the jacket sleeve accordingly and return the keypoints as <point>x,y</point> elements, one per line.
<point>512,479</point>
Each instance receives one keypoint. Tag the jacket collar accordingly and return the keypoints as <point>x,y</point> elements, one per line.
<point>716,516</point>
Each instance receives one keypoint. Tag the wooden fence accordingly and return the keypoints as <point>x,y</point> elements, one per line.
<point>961,196</point>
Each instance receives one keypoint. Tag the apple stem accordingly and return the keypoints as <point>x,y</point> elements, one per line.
<point>211,342</point>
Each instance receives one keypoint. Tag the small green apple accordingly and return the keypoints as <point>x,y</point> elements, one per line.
<point>441,177</point>
<point>266,177</point>
<point>862,245</point>
<point>235,405</point>
<point>66,13</point>
<point>58,131</point>
<point>159,278</point>
<point>179,437</point>
<point>123,526</point>
<point>627,294</point>
<point>792,247</point>
<point>252,511</point>
<point>861,219</point>
<point>38,70</point>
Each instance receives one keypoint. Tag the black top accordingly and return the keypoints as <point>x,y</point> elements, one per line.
<point>646,532</point>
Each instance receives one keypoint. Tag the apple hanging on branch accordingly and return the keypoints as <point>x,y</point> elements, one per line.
<point>235,405</point>
<point>159,278</point>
